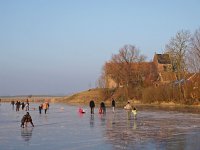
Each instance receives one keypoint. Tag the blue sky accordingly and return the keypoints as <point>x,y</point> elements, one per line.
<point>59,46</point>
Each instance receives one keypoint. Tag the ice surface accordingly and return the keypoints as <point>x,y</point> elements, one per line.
<point>63,128</point>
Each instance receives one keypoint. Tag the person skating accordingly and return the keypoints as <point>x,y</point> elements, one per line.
<point>45,107</point>
<point>92,105</point>
<point>25,119</point>
<point>113,105</point>
<point>128,108</point>
<point>102,108</point>
<point>134,111</point>
<point>17,105</point>
<point>40,108</point>
<point>23,105</point>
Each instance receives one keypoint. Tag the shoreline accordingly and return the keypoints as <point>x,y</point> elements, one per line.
<point>139,106</point>
<point>83,98</point>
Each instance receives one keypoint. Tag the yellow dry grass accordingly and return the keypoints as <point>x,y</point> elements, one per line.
<point>84,97</point>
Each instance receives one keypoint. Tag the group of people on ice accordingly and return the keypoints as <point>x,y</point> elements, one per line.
<point>25,106</point>
<point>44,106</point>
<point>102,108</point>
<point>27,117</point>
<point>130,109</point>
<point>19,104</point>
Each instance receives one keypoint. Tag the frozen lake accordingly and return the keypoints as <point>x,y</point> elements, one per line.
<point>63,128</point>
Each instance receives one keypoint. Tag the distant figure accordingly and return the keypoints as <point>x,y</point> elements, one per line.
<point>92,105</point>
<point>48,105</point>
<point>102,108</point>
<point>40,108</point>
<point>128,108</point>
<point>134,111</point>
<point>17,105</point>
<point>45,107</point>
<point>27,106</point>
<point>26,118</point>
<point>23,105</point>
<point>13,104</point>
<point>113,105</point>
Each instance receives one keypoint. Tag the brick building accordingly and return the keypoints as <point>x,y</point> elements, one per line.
<point>159,71</point>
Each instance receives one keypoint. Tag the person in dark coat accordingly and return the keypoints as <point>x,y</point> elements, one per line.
<point>26,118</point>
<point>40,108</point>
<point>103,107</point>
<point>113,105</point>
<point>92,105</point>
<point>17,105</point>
<point>23,105</point>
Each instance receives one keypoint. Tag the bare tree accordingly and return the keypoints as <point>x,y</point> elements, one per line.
<point>194,52</point>
<point>102,80</point>
<point>177,48</point>
<point>128,55</point>
<point>120,67</point>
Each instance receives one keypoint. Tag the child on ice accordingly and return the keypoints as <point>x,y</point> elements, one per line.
<point>134,111</point>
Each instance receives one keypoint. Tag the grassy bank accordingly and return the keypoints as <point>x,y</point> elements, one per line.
<point>84,98</point>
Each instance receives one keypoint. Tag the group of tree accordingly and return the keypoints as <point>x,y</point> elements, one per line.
<point>121,70</point>
<point>183,49</point>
